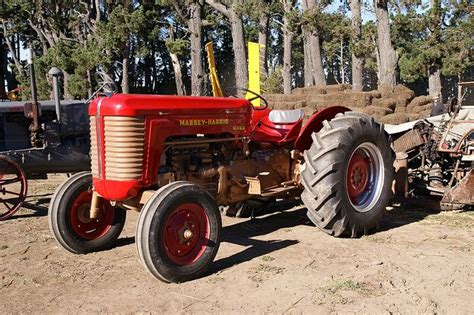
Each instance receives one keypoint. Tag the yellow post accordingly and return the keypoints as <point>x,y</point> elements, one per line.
<point>216,86</point>
<point>254,72</point>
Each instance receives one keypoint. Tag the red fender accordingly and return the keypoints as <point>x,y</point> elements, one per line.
<point>315,123</point>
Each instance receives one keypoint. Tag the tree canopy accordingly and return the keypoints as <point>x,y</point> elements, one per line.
<point>157,46</point>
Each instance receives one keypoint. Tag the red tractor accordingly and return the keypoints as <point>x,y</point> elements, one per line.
<point>177,159</point>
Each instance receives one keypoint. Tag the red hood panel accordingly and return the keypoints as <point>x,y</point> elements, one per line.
<point>142,105</point>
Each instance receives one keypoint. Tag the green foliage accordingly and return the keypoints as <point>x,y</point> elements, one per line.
<point>68,36</point>
<point>114,34</point>
<point>458,53</point>
<point>273,83</point>
<point>179,47</point>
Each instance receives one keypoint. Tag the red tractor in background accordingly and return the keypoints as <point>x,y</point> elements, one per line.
<point>176,159</point>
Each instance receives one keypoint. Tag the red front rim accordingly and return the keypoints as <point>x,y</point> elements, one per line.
<point>358,174</point>
<point>186,233</point>
<point>83,225</point>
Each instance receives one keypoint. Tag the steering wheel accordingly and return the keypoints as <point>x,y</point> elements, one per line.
<point>106,87</point>
<point>256,96</point>
<point>106,83</point>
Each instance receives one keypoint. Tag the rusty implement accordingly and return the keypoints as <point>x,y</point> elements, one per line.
<point>462,193</point>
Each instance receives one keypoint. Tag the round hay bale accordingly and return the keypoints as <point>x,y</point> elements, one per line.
<point>394,119</point>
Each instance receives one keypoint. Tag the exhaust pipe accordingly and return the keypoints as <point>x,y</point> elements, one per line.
<point>55,73</point>
<point>34,114</point>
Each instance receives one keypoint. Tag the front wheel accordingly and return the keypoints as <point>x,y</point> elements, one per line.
<point>178,232</point>
<point>69,219</point>
<point>347,175</point>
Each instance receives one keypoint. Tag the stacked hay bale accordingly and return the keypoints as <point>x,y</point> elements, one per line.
<point>420,107</point>
<point>388,105</point>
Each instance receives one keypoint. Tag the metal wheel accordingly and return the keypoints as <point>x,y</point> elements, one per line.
<point>83,225</point>
<point>13,187</point>
<point>185,233</point>
<point>365,176</point>
<point>178,232</point>
<point>70,222</point>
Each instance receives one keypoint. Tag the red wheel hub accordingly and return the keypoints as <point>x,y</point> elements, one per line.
<point>186,233</point>
<point>83,225</point>
<point>358,174</point>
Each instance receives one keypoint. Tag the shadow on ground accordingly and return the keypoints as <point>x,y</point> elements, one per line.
<point>244,233</point>
<point>405,212</point>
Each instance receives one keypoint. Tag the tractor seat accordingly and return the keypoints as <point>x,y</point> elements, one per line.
<point>277,116</point>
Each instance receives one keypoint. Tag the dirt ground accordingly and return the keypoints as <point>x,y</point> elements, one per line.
<point>419,261</point>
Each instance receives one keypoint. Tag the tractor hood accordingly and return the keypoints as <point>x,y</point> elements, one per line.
<point>163,105</point>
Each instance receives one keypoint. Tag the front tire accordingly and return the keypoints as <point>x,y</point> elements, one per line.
<point>69,220</point>
<point>347,175</point>
<point>178,232</point>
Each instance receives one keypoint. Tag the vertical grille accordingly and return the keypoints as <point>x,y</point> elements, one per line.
<point>94,153</point>
<point>124,142</point>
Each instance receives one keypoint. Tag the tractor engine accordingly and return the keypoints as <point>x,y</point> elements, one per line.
<point>226,169</point>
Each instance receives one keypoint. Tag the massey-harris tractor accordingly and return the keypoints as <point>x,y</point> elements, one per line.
<point>176,159</point>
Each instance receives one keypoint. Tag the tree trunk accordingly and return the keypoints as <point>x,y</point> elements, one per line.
<point>341,62</point>
<point>89,84</point>
<point>287,39</point>
<point>67,95</point>
<point>197,71</point>
<point>388,56</point>
<point>262,41</point>
<point>178,75</point>
<point>357,61</point>
<point>238,44</point>
<point>308,65</point>
<point>434,80</point>
<point>314,72</point>
<point>18,66</point>
<point>125,61</point>
<point>3,66</point>
<point>316,61</point>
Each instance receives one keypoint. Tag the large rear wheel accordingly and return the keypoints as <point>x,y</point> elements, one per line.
<point>348,174</point>
<point>178,232</point>
<point>69,219</point>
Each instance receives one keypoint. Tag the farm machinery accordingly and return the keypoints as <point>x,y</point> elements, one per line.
<point>37,139</point>
<point>177,159</point>
<point>435,156</point>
